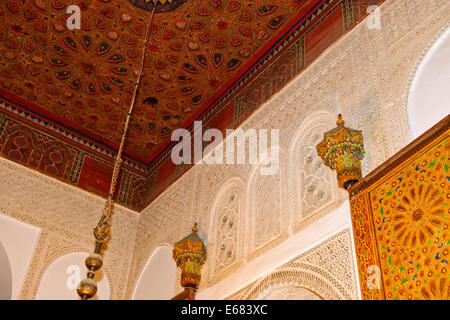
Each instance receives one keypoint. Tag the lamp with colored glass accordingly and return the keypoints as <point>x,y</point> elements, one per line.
<point>190,255</point>
<point>342,150</point>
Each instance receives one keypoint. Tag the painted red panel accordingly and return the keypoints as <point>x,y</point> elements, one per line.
<point>166,176</point>
<point>96,176</point>
<point>323,35</point>
<point>224,120</point>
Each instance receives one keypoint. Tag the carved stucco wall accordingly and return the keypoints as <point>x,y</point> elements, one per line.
<point>227,222</point>
<point>366,76</point>
<point>66,216</point>
<point>313,191</point>
<point>327,270</point>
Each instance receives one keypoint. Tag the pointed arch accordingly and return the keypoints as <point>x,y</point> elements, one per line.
<point>303,275</point>
<point>64,270</point>
<point>157,279</point>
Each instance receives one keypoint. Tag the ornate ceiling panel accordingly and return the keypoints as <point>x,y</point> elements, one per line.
<point>211,60</point>
<point>84,78</point>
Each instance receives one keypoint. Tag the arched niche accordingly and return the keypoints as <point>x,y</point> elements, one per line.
<point>312,185</point>
<point>267,219</point>
<point>429,95</point>
<point>61,278</point>
<point>226,227</point>
<point>5,275</point>
<point>158,277</point>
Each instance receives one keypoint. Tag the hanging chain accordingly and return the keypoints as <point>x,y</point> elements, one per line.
<point>88,287</point>
<point>102,228</point>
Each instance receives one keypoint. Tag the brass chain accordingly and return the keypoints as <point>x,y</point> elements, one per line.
<point>102,229</point>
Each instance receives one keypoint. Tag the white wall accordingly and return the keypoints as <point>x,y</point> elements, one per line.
<point>157,279</point>
<point>429,97</point>
<point>19,240</point>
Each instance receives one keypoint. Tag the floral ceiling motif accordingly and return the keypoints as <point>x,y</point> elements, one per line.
<point>85,78</point>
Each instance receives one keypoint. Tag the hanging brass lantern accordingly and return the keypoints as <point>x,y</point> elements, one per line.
<point>342,149</point>
<point>190,255</point>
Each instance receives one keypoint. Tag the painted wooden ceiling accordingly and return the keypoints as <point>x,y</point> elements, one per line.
<point>75,86</point>
<point>84,78</point>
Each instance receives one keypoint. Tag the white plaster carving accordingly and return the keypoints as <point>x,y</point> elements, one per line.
<point>312,184</point>
<point>227,220</point>
<point>327,269</point>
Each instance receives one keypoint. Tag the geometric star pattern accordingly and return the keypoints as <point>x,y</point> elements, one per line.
<point>85,78</point>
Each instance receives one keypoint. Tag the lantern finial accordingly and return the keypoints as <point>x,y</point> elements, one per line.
<point>340,122</point>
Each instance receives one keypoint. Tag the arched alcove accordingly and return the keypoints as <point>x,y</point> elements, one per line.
<point>158,277</point>
<point>313,278</point>
<point>312,186</point>
<point>267,219</point>
<point>226,225</point>
<point>5,275</point>
<point>429,95</point>
<point>60,280</point>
